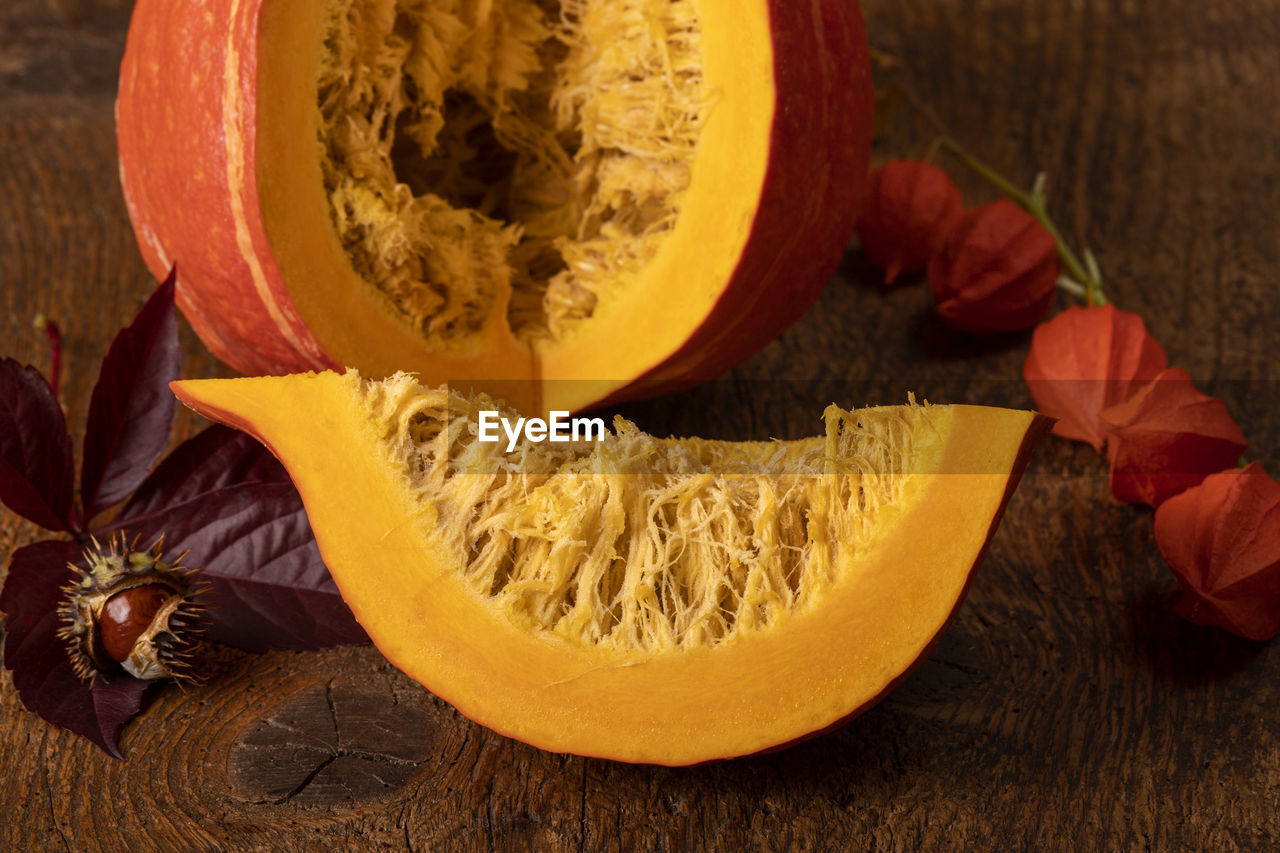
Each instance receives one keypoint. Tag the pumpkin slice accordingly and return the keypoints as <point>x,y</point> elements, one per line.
<point>560,200</point>
<point>650,600</point>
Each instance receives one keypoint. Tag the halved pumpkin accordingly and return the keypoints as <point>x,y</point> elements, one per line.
<point>666,601</point>
<point>561,200</point>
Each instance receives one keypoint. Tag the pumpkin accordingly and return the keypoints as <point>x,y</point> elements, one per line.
<point>641,599</point>
<point>560,202</point>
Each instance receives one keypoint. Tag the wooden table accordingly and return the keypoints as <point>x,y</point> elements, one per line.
<point>1066,707</point>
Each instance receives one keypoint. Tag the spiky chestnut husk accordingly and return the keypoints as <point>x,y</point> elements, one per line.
<point>131,608</point>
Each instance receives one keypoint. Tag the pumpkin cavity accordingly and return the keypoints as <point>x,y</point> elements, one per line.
<point>508,161</point>
<point>641,543</point>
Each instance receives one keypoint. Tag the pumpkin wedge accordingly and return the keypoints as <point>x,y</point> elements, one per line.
<point>557,200</point>
<point>669,601</point>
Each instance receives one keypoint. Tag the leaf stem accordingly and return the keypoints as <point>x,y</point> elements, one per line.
<point>1084,275</point>
<point>54,334</point>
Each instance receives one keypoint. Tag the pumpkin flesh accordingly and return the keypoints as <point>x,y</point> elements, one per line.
<point>271,148</point>
<point>645,600</point>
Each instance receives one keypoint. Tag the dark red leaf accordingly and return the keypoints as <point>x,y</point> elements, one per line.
<point>269,588</point>
<point>1168,437</point>
<point>38,659</point>
<point>996,271</point>
<point>212,459</point>
<point>36,469</point>
<point>1085,360</point>
<point>910,205</point>
<point>131,407</point>
<point>1222,541</point>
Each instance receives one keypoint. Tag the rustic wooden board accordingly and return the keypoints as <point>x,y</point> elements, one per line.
<point>1065,707</point>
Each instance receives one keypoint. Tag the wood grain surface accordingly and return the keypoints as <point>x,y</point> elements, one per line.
<point>1067,708</point>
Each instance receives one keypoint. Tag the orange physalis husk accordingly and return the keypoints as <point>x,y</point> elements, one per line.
<point>996,271</point>
<point>1085,360</point>
<point>909,206</point>
<point>1222,541</point>
<point>1168,437</point>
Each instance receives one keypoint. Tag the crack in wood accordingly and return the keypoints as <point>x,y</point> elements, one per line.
<point>308,780</point>
<point>48,785</point>
<point>466,738</point>
<point>488,822</point>
<point>333,713</point>
<point>363,755</point>
<point>329,759</point>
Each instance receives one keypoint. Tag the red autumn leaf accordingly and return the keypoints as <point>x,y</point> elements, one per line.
<point>36,468</point>
<point>42,671</point>
<point>1222,541</point>
<point>268,587</point>
<point>131,407</point>
<point>224,496</point>
<point>996,271</point>
<point>216,457</point>
<point>1168,437</point>
<point>1085,360</point>
<point>910,205</point>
